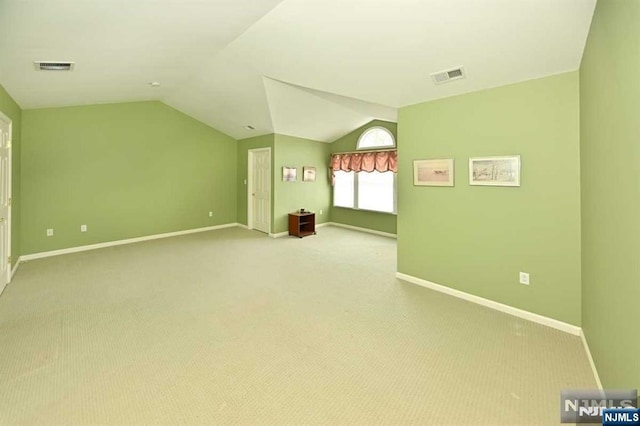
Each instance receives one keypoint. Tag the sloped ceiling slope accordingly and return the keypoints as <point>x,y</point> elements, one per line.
<point>316,69</point>
<point>303,112</point>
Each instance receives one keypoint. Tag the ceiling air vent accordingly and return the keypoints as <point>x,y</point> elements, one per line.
<point>448,75</point>
<point>54,65</point>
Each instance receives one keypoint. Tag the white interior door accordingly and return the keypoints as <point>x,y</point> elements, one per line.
<point>259,205</point>
<point>5,201</point>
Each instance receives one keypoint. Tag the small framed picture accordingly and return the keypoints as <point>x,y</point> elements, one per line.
<point>495,171</point>
<point>438,172</point>
<point>308,174</point>
<point>289,174</point>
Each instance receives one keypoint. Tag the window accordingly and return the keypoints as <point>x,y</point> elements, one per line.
<point>344,189</point>
<point>366,180</point>
<point>376,137</point>
<point>373,191</point>
<point>376,191</point>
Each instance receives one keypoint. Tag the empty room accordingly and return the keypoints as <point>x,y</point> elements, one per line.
<point>319,212</point>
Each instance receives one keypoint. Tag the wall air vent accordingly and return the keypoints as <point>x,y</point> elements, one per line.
<point>54,65</point>
<point>448,75</point>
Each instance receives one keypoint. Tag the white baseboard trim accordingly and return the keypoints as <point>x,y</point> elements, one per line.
<point>122,242</point>
<point>15,267</point>
<point>367,230</point>
<point>530,316</point>
<point>322,225</point>
<point>593,364</point>
<point>242,225</point>
<point>279,234</point>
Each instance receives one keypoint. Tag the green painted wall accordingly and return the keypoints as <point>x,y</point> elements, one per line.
<point>383,222</point>
<point>291,196</point>
<point>124,170</point>
<point>610,155</point>
<point>477,239</point>
<point>11,109</point>
<point>243,147</point>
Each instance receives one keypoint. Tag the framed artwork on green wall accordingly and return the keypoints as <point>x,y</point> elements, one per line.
<point>289,174</point>
<point>495,171</point>
<point>308,174</point>
<point>438,172</point>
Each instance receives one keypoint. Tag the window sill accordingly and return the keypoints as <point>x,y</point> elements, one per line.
<point>365,210</point>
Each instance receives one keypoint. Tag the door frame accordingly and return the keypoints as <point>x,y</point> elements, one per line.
<point>6,119</point>
<point>250,161</point>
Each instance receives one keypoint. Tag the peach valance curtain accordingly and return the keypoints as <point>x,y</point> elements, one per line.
<point>381,161</point>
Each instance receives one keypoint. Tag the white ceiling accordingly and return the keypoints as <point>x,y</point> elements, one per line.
<point>316,69</point>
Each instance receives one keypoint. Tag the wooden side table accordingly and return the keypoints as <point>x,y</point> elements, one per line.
<point>302,224</point>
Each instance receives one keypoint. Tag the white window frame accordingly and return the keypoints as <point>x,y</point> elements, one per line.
<point>359,146</point>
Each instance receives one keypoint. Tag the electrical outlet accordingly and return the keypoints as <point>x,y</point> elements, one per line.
<point>83,228</point>
<point>320,211</point>
<point>524,278</point>
<point>210,214</point>
<point>50,232</point>
<point>245,181</point>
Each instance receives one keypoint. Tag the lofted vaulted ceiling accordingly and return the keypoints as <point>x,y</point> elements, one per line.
<point>316,69</point>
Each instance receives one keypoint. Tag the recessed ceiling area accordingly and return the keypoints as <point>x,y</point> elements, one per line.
<point>316,69</point>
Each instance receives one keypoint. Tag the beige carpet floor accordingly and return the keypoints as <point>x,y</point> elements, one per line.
<point>233,327</point>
